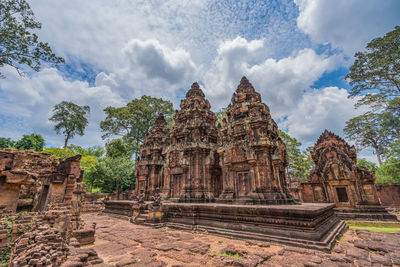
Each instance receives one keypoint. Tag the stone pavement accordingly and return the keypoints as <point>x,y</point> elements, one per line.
<point>120,243</point>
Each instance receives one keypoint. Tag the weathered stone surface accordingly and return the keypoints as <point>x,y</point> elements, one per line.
<point>243,161</point>
<point>337,179</point>
<point>30,181</point>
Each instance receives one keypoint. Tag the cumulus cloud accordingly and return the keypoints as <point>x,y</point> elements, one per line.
<point>319,109</point>
<point>281,82</point>
<point>155,61</point>
<point>348,25</point>
<point>33,98</point>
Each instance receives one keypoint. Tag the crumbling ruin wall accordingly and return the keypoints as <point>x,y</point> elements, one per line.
<point>30,181</point>
<point>389,194</point>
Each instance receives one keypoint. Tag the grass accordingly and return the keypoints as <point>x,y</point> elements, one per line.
<point>227,254</point>
<point>374,226</point>
<point>376,229</point>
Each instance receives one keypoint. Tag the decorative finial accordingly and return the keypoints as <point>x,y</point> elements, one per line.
<point>195,85</point>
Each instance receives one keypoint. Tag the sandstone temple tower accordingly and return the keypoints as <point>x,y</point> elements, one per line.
<point>238,166</point>
<point>253,157</point>
<point>243,161</point>
<point>191,167</point>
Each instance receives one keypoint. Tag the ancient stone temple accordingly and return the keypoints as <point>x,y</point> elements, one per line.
<point>337,179</point>
<point>191,171</point>
<point>227,179</point>
<point>253,157</point>
<point>149,167</point>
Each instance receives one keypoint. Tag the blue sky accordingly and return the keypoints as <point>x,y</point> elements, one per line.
<point>295,53</point>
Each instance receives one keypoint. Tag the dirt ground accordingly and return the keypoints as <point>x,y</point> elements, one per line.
<point>120,243</point>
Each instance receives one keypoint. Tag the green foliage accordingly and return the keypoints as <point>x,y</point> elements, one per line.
<point>60,152</point>
<point>134,121</point>
<point>112,174</point>
<point>221,114</point>
<point>5,255</point>
<point>70,118</point>
<point>19,45</point>
<point>375,76</point>
<point>109,173</point>
<point>95,151</point>
<point>378,69</point>
<point>33,142</point>
<point>300,163</point>
<point>367,130</point>
<point>6,143</point>
<point>389,172</point>
<point>118,148</point>
<point>365,163</point>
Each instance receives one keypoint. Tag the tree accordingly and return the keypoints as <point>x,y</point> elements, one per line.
<point>389,172</point>
<point>299,162</point>
<point>367,130</point>
<point>6,143</point>
<point>33,142</point>
<point>376,72</point>
<point>368,164</point>
<point>134,121</point>
<point>221,114</point>
<point>19,45</point>
<point>70,118</point>
<point>117,148</point>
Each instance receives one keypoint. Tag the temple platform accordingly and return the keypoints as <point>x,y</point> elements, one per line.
<point>313,225</point>
<point>365,213</point>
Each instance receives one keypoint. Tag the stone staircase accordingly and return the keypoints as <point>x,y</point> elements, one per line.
<point>142,217</point>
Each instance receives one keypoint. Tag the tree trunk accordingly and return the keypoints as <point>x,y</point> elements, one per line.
<point>66,141</point>
<point>378,155</point>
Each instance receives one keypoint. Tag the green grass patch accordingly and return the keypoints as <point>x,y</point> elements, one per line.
<point>376,229</point>
<point>374,226</point>
<point>227,254</point>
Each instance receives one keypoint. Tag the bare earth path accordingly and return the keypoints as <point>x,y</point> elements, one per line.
<point>120,243</point>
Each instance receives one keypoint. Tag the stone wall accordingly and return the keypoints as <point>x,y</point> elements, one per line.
<point>389,194</point>
<point>30,181</point>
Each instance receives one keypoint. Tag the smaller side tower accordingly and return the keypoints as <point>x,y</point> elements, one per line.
<point>149,166</point>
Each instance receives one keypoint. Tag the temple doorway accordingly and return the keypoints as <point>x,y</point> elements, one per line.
<point>342,195</point>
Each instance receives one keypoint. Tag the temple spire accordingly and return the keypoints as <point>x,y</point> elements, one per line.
<point>195,91</point>
<point>245,85</point>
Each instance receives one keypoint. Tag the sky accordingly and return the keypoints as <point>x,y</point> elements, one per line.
<point>295,53</point>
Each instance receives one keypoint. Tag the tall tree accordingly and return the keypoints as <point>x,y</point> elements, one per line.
<point>19,45</point>
<point>70,118</point>
<point>134,121</point>
<point>375,73</point>
<point>367,130</point>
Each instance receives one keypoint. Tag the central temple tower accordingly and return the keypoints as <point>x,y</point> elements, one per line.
<point>253,158</point>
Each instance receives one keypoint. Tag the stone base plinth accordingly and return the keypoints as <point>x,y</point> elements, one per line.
<point>312,226</point>
<point>365,213</point>
<point>119,207</point>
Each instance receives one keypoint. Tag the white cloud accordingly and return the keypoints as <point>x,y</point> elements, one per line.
<point>348,25</point>
<point>280,82</point>
<point>33,98</point>
<point>155,61</point>
<point>327,108</point>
